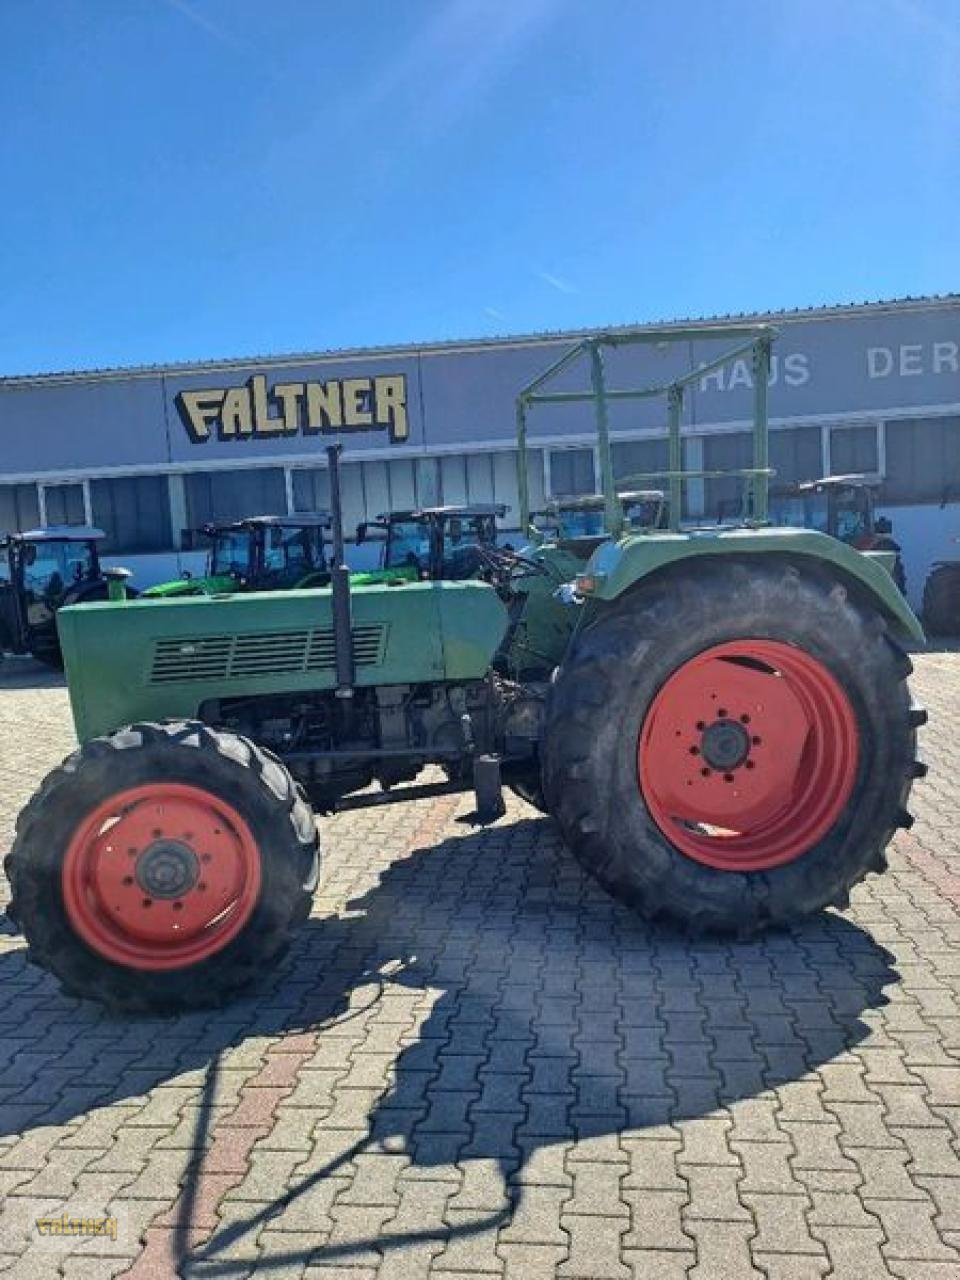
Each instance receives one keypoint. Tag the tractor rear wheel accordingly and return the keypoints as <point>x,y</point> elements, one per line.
<point>163,867</point>
<point>733,747</point>
<point>941,601</point>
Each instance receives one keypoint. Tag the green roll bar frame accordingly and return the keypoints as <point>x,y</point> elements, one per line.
<point>757,340</point>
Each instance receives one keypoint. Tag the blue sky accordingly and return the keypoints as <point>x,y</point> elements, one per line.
<point>194,178</point>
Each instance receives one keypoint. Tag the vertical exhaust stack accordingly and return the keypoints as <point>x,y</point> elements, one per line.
<point>340,586</point>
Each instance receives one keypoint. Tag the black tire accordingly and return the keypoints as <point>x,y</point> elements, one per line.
<point>607,684</point>
<point>941,601</point>
<point>45,648</point>
<point>231,768</point>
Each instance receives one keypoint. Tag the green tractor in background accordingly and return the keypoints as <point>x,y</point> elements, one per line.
<point>722,731</point>
<point>258,553</point>
<point>430,543</point>
<point>843,507</point>
<point>41,571</point>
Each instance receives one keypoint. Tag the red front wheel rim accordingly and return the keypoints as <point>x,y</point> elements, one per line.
<point>748,755</point>
<point>160,877</point>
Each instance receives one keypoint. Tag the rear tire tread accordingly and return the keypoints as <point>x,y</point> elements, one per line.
<point>614,837</point>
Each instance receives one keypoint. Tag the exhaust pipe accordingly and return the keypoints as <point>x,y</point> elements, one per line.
<point>340,585</point>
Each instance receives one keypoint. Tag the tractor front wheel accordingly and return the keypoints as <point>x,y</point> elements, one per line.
<point>732,748</point>
<point>163,867</point>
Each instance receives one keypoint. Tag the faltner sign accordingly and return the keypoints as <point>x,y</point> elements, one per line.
<point>338,405</point>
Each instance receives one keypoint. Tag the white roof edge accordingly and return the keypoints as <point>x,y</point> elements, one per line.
<point>835,311</point>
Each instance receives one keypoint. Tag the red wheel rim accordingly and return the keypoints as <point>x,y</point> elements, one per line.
<point>748,755</point>
<point>160,877</point>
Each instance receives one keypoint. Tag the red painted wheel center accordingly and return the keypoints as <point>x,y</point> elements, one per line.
<point>748,755</point>
<point>160,877</point>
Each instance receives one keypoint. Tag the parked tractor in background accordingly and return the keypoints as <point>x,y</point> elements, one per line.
<point>941,599</point>
<point>843,507</point>
<point>258,553</point>
<point>41,571</point>
<point>727,740</point>
<point>840,506</point>
<point>428,544</point>
<point>577,521</point>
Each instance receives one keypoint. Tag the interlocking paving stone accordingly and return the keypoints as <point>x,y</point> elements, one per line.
<point>474,1063</point>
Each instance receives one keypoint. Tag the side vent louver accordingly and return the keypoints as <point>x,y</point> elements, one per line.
<point>263,653</point>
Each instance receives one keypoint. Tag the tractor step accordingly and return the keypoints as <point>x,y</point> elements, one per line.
<point>488,787</point>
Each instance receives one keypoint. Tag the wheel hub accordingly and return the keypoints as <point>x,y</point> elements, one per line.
<point>161,876</point>
<point>725,745</point>
<point>167,869</point>
<point>748,754</point>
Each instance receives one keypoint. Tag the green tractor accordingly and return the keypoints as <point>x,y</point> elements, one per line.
<point>430,543</point>
<point>842,506</point>
<point>258,553</point>
<point>577,522</point>
<point>41,571</point>
<point>725,740</point>
<point>562,538</point>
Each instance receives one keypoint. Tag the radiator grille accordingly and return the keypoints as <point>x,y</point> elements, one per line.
<point>263,653</point>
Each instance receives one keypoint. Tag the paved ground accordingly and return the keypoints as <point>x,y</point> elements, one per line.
<point>476,1064</point>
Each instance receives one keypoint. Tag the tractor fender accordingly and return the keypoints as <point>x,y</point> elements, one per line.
<point>616,567</point>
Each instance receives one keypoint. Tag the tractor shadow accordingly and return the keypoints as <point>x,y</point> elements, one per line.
<point>17,672</point>
<point>530,1010</point>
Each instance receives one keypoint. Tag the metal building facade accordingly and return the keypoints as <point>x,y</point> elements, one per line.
<point>147,452</point>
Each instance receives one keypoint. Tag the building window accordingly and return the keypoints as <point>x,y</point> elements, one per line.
<point>854,449</point>
<point>134,513</point>
<point>428,482</point>
<point>311,489</point>
<point>453,480</point>
<point>19,508</point>
<point>923,460</point>
<point>641,459</point>
<point>723,495</point>
<point>221,496</point>
<point>795,454</point>
<point>571,472</point>
<point>63,504</point>
<point>403,484</point>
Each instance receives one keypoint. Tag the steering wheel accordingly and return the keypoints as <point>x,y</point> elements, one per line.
<point>506,563</point>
